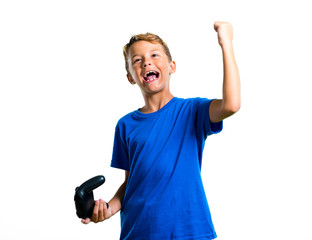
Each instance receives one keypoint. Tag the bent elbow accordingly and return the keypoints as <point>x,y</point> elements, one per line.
<point>233,108</point>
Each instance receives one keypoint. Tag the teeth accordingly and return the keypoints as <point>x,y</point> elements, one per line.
<point>145,75</point>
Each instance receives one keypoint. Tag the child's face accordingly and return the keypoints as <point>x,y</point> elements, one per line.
<point>149,67</point>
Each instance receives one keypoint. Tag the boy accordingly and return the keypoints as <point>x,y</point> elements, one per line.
<point>160,146</point>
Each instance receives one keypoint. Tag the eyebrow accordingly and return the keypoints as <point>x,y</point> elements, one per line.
<point>134,56</point>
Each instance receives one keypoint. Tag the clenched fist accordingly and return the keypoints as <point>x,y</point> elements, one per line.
<point>225,33</point>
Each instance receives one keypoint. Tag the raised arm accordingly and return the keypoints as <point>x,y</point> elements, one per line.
<point>230,102</point>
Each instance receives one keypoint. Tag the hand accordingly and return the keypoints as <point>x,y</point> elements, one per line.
<point>225,33</point>
<point>100,212</point>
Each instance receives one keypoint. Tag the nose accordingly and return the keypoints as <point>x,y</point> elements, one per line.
<point>147,63</point>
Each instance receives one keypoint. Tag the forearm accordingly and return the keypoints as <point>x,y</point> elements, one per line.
<point>231,80</point>
<point>116,201</point>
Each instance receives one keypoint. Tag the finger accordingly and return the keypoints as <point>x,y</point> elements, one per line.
<point>95,215</point>
<point>216,25</point>
<point>86,221</point>
<point>101,210</point>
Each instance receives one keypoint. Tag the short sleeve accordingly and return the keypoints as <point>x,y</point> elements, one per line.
<point>120,157</point>
<point>204,127</point>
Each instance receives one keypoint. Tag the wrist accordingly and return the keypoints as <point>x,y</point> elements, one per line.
<point>226,45</point>
<point>114,206</point>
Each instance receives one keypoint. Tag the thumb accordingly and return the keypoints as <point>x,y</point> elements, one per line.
<point>107,210</point>
<point>86,221</point>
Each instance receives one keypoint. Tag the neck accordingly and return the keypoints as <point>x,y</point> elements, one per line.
<point>155,102</point>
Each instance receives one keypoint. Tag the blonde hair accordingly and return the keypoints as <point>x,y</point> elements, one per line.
<point>149,37</point>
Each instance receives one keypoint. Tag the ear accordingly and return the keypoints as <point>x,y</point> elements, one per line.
<point>172,67</point>
<point>130,79</point>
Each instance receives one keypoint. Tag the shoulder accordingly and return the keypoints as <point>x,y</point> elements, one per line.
<point>187,100</point>
<point>124,121</point>
<point>193,102</point>
<point>126,117</point>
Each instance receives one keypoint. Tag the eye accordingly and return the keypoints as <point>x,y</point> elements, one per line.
<point>155,55</point>
<point>136,60</point>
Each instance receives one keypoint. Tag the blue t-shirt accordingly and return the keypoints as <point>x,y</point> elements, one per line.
<point>165,197</point>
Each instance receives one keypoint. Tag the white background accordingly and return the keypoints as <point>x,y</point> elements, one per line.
<point>63,88</point>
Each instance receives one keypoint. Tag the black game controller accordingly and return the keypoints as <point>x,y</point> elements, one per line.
<point>84,199</point>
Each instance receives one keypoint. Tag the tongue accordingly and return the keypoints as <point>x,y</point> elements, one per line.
<point>151,77</point>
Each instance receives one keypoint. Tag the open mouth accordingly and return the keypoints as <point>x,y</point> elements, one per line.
<point>151,76</point>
